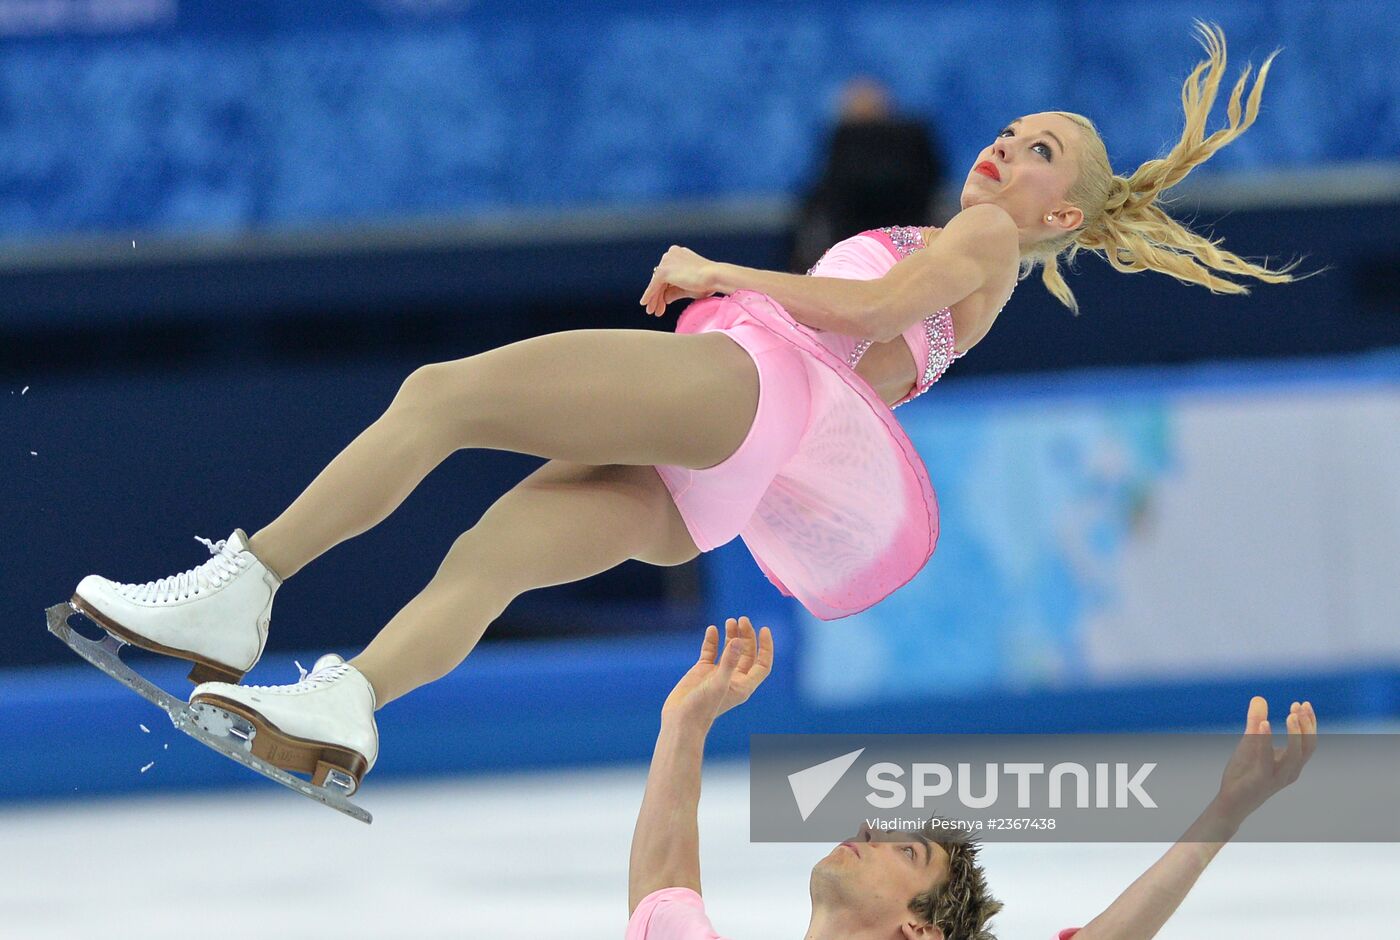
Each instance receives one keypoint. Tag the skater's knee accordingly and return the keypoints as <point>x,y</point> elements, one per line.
<point>433,398</point>
<point>424,387</point>
<point>471,570</point>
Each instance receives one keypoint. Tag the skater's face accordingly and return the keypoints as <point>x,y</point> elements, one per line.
<point>1033,162</point>
<point>873,877</point>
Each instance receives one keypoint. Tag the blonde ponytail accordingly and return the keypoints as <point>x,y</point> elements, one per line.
<point>1123,218</point>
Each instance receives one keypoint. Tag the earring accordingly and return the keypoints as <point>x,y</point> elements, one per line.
<point>1050,218</point>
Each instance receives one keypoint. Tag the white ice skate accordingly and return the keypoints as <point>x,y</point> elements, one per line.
<point>322,725</point>
<point>215,616</point>
<point>229,733</point>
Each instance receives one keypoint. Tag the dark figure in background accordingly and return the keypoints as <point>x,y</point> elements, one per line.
<point>881,169</point>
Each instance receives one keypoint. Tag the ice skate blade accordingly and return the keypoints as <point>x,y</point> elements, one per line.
<point>226,736</point>
<point>103,654</point>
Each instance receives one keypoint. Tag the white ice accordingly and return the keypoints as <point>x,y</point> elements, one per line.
<point>530,856</point>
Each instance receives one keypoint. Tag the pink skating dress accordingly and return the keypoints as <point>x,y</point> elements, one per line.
<point>826,491</point>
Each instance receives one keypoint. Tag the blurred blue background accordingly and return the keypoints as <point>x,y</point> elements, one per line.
<point>210,117</point>
<point>230,231</point>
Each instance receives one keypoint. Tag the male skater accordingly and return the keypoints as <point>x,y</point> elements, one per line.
<point>924,889</point>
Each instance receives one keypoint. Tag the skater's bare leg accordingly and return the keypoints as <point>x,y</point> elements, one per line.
<point>563,523</point>
<point>597,397</point>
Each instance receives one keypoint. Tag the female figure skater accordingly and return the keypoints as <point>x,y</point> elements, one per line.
<point>766,414</point>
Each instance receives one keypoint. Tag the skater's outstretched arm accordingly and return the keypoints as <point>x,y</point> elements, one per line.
<point>666,841</point>
<point>979,244</point>
<point>1256,772</point>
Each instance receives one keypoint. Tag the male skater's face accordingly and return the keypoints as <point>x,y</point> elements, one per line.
<point>875,875</point>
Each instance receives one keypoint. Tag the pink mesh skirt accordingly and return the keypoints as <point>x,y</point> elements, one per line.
<point>826,490</point>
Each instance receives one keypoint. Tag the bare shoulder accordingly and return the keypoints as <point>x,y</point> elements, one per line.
<point>988,234</point>
<point>984,229</point>
<point>961,265</point>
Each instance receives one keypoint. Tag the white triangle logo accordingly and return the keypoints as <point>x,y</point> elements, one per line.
<point>810,786</point>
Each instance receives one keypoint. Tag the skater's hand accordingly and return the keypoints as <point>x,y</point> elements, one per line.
<point>713,686</point>
<point>681,273</point>
<point>1258,770</point>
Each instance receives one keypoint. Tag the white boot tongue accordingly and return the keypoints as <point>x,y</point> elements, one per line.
<point>325,662</point>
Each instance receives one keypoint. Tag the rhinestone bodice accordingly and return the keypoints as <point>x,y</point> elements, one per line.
<point>931,341</point>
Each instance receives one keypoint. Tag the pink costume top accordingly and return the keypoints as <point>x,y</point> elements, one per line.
<point>679,914</point>
<point>870,255</point>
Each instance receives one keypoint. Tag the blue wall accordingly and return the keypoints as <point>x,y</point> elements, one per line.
<point>210,116</point>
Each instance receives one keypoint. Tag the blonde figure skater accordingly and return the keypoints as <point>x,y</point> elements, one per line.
<point>766,414</point>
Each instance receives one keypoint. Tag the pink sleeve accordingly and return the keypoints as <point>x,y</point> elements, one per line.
<point>1067,933</point>
<point>671,914</point>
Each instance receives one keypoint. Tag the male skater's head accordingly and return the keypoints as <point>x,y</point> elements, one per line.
<point>924,885</point>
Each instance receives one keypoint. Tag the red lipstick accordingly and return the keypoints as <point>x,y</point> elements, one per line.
<point>988,168</point>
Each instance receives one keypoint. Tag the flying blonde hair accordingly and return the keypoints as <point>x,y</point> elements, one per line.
<point>1123,220</point>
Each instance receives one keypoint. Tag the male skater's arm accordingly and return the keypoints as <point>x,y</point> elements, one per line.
<point>666,841</point>
<point>1256,772</point>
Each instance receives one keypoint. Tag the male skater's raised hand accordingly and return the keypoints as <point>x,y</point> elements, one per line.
<point>715,684</point>
<point>1256,771</point>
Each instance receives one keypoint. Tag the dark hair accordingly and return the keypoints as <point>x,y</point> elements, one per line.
<point>960,904</point>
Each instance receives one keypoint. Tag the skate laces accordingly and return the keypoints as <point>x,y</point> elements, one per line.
<point>319,674</point>
<point>315,679</point>
<point>215,572</point>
